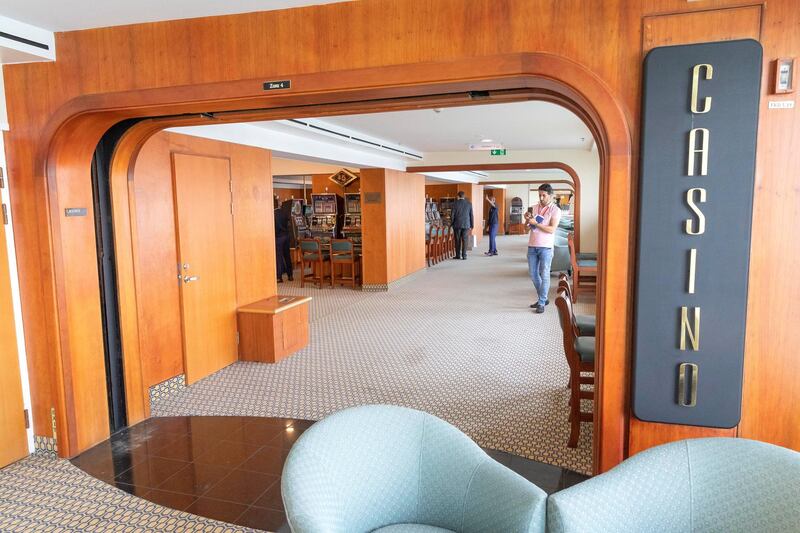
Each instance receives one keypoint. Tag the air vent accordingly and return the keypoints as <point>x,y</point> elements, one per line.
<point>349,137</point>
<point>23,40</point>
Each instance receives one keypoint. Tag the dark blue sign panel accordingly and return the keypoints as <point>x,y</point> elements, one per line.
<point>699,123</point>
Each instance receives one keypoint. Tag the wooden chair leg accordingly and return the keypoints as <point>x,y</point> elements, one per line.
<point>574,412</point>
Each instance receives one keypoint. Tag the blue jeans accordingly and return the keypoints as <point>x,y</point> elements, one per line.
<point>493,239</point>
<point>539,260</point>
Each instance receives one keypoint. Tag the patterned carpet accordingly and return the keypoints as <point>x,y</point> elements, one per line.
<point>457,340</point>
<point>44,494</point>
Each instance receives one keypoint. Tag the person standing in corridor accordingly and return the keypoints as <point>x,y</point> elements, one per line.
<point>493,221</point>
<point>542,224</point>
<point>283,229</point>
<point>462,222</point>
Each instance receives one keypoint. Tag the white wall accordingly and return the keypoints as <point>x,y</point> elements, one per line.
<point>585,163</point>
<point>3,111</point>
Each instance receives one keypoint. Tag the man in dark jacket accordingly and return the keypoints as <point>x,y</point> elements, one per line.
<point>283,229</point>
<point>462,223</point>
<point>493,222</point>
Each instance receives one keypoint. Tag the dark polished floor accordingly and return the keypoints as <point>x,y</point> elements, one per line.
<point>228,467</point>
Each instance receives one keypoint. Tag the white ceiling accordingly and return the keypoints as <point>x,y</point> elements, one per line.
<point>517,126</point>
<point>55,15</point>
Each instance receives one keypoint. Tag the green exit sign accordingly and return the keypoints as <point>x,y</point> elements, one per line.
<point>498,152</point>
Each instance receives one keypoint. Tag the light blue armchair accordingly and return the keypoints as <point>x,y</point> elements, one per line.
<point>395,470</point>
<point>699,485</point>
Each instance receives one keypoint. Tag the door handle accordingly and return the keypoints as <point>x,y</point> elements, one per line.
<point>188,279</point>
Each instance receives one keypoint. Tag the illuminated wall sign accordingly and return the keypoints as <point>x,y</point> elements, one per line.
<point>699,122</point>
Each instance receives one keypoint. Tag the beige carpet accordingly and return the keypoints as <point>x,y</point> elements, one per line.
<point>457,340</point>
<point>44,494</point>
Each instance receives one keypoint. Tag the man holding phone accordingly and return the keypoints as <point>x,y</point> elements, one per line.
<point>542,223</point>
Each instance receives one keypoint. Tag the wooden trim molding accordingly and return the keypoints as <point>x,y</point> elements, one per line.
<point>66,149</point>
<point>576,181</point>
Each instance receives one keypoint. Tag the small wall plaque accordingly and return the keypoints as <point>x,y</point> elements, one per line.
<point>75,212</point>
<point>372,197</point>
<point>275,85</point>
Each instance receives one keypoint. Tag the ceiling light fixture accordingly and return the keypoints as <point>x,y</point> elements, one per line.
<point>486,140</point>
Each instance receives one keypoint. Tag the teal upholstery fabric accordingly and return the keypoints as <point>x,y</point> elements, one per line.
<point>341,246</point>
<point>587,262</point>
<point>585,348</point>
<point>309,246</point>
<point>314,257</point>
<point>697,486</point>
<point>342,257</point>
<point>375,466</point>
<point>560,261</point>
<point>586,325</point>
<point>411,528</point>
<point>586,256</point>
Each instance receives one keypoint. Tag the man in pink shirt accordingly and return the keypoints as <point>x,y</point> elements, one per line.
<point>542,224</point>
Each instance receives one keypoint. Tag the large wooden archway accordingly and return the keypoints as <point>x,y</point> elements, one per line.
<point>75,129</point>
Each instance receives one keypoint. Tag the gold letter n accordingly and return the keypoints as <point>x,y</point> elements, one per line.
<point>693,330</point>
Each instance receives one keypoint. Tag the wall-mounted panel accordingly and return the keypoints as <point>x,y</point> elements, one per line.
<point>699,124</point>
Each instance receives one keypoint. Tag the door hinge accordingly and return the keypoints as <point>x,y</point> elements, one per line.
<point>2,179</point>
<point>27,419</point>
<point>5,215</point>
<point>237,337</point>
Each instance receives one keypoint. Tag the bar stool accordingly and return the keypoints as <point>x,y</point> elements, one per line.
<point>314,256</point>
<point>343,253</point>
<point>584,271</point>
<point>580,358</point>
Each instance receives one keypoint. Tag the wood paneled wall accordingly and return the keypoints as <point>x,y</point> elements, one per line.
<point>475,195</point>
<point>13,438</point>
<point>444,190</point>
<point>394,229</point>
<point>405,223</point>
<point>288,194</point>
<point>149,69</point>
<point>158,299</point>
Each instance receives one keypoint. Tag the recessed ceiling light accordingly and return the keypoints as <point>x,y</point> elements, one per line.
<point>486,140</point>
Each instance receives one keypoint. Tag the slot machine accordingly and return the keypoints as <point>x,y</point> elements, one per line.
<point>351,228</point>
<point>446,204</point>
<point>326,217</point>
<point>432,218</point>
<point>299,218</point>
<point>516,224</point>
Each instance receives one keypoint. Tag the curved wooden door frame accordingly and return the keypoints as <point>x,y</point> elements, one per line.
<point>547,165</point>
<point>66,150</point>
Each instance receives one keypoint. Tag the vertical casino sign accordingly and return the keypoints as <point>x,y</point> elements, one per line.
<point>699,123</point>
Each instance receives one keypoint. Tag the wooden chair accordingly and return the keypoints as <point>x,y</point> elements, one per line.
<point>314,256</point>
<point>451,243</point>
<point>584,271</point>
<point>580,358</point>
<point>343,253</point>
<point>585,325</point>
<point>436,244</point>
<point>428,241</point>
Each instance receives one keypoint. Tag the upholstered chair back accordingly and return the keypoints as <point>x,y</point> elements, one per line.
<point>375,466</point>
